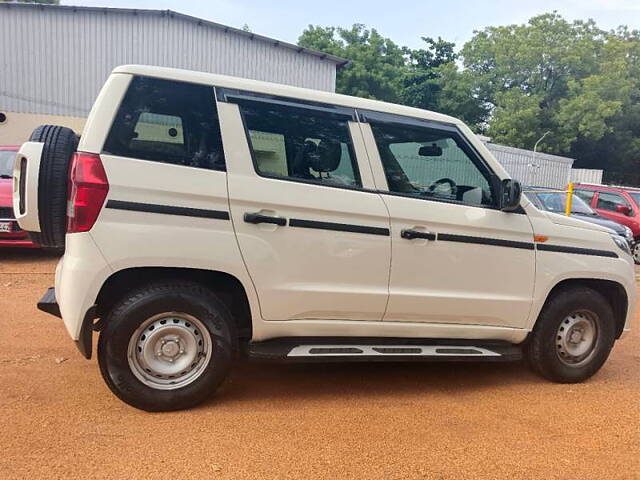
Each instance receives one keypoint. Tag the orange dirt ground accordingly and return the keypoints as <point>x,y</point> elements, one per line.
<point>382,421</point>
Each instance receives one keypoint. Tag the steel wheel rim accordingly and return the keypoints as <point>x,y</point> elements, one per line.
<point>636,252</point>
<point>576,338</point>
<point>169,350</point>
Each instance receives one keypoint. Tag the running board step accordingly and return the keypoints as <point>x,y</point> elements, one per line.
<point>400,350</point>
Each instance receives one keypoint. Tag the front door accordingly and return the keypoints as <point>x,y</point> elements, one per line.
<point>456,258</point>
<point>315,242</point>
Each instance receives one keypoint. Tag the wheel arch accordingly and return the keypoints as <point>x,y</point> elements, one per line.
<point>613,292</point>
<point>227,286</point>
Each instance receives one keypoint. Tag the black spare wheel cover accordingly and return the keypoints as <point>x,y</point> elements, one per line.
<point>59,145</point>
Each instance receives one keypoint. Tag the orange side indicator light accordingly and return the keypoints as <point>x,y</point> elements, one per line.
<point>540,238</point>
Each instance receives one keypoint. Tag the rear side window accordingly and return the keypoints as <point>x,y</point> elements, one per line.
<point>609,201</point>
<point>168,122</point>
<point>296,143</point>
<point>586,195</point>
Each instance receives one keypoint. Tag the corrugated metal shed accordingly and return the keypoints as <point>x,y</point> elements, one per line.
<point>533,169</point>
<point>586,175</point>
<point>54,59</point>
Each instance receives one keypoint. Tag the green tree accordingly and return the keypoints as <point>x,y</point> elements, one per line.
<point>571,78</point>
<point>377,64</point>
<point>433,81</point>
<point>380,69</point>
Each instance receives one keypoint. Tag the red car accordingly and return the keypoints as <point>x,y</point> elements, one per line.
<point>620,204</point>
<point>10,233</point>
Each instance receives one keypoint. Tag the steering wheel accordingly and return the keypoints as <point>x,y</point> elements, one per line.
<point>453,186</point>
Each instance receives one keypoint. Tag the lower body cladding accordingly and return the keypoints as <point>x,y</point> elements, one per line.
<point>382,349</point>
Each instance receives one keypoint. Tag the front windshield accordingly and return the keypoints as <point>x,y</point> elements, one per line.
<point>557,202</point>
<point>6,163</point>
<point>636,197</point>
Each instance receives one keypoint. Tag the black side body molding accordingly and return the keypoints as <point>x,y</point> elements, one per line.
<point>338,227</point>
<point>580,251</point>
<point>167,209</point>
<point>496,242</point>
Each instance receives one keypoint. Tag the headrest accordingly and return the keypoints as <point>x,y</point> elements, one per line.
<point>325,157</point>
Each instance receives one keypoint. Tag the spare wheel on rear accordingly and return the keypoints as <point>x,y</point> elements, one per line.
<point>59,145</point>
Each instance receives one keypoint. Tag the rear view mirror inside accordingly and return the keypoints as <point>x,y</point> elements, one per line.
<point>432,150</point>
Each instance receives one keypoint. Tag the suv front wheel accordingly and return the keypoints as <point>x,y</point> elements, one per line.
<point>167,346</point>
<point>573,336</point>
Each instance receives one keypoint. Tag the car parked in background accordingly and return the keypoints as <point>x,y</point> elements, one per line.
<point>556,201</point>
<point>11,235</point>
<point>620,204</point>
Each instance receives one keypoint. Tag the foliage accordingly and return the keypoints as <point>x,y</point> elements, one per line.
<point>512,83</point>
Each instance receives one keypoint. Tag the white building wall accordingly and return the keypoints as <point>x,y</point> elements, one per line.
<point>536,170</point>
<point>586,175</point>
<point>54,59</point>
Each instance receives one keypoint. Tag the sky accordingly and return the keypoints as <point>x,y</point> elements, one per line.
<point>404,21</point>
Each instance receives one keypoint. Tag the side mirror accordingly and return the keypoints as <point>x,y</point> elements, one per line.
<point>623,209</point>
<point>510,195</point>
<point>430,151</point>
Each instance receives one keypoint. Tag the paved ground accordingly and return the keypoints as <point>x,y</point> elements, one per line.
<point>435,421</point>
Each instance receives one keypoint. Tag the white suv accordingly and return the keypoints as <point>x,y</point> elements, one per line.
<point>206,216</point>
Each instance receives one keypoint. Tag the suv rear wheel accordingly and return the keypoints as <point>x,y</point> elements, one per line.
<point>167,346</point>
<point>573,336</point>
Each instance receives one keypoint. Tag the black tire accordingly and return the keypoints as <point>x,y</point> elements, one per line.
<point>543,349</point>
<point>59,145</point>
<point>129,313</point>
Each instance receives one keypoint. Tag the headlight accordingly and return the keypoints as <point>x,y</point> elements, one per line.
<point>621,243</point>
<point>628,234</point>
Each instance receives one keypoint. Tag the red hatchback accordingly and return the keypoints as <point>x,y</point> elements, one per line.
<point>621,204</point>
<point>10,233</point>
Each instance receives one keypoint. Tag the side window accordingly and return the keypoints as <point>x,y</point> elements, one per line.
<point>609,201</point>
<point>296,143</point>
<point>431,163</point>
<point>168,122</point>
<point>586,195</point>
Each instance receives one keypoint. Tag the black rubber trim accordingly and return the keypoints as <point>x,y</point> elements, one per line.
<point>333,350</point>
<point>397,350</point>
<point>85,342</point>
<point>496,242</point>
<point>458,351</point>
<point>579,251</point>
<point>49,304</point>
<point>338,227</point>
<point>167,210</point>
<point>238,96</point>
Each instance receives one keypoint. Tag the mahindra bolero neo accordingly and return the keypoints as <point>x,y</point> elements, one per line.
<point>207,216</point>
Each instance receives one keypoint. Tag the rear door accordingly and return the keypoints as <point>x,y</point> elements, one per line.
<point>163,156</point>
<point>314,238</point>
<point>457,259</point>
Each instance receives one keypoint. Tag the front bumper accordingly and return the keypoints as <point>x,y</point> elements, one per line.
<point>49,304</point>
